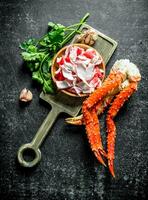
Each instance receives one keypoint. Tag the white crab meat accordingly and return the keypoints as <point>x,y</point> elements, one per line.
<point>67,74</point>
<point>79,70</point>
<point>129,69</point>
<point>63,84</point>
<point>85,74</point>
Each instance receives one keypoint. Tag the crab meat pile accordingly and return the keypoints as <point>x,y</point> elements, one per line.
<point>79,70</point>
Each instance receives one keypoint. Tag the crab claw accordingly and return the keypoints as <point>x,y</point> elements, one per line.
<point>75,120</point>
<point>111,167</point>
<point>98,156</point>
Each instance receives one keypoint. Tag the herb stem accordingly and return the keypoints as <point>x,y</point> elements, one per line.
<point>69,29</point>
<point>44,59</point>
<point>70,36</point>
<point>74,25</point>
<point>83,20</point>
<point>40,68</point>
<point>41,39</point>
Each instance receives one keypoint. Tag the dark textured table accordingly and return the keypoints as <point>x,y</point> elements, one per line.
<point>68,169</point>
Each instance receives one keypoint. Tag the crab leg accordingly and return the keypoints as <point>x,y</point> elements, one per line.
<point>78,120</point>
<point>93,133</point>
<point>112,82</point>
<point>111,128</point>
<point>100,107</point>
<point>97,146</point>
<point>90,116</point>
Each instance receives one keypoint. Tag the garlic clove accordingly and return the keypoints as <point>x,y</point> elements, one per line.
<point>94,36</point>
<point>91,42</point>
<point>87,39</point>
<point>26,95</point>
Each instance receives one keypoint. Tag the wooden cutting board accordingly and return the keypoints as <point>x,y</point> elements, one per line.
<point>63,103</point>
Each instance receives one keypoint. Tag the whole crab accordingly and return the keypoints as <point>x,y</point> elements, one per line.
<point>116,89</point>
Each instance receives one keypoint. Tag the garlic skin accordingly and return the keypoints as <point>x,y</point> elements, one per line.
<point>26,95</point>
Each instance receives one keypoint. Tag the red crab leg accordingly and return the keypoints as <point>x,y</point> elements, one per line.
<point>98,147</point>
<point>112,82</point>
<point>89,114</point>
<point>100,107</point>
<point>93,134</point>
<point>111,128</point>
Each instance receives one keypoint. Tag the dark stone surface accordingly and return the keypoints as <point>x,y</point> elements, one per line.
<point>68,169</point>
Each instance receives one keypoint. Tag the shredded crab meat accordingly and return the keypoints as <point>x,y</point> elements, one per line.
<point>63,84</point>
<point>79,70</point>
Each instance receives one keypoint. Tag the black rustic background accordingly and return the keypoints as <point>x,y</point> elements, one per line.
<point>68,169</point>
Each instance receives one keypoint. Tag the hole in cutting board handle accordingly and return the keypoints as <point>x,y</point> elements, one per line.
<point>29,154</point>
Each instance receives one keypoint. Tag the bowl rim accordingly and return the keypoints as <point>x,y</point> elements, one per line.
<point>54,61</point>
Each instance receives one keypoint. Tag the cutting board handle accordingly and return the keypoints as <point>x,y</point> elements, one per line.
<point>45,127</point>
<point>37,140</point>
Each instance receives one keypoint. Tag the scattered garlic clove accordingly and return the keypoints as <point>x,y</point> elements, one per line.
<point>25,95</point>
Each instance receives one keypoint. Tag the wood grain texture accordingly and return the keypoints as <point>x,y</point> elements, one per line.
<point>68,169</point>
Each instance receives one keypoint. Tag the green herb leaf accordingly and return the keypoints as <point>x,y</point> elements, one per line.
<point>37,77</point>
<point>26,44</point>
<point>51,24</point>
<point>32,56</point>
<point>48,86</point>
